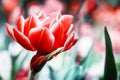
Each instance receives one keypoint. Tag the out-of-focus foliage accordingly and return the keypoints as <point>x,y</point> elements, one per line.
<point>110,72</point>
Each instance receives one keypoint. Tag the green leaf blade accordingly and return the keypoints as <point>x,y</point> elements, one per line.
<point>110,71</point>
<point>53,74</point>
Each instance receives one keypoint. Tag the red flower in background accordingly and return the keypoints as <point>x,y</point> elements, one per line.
<point>15,14</point>
<point>74,5</point>
<point>23,74</point>
<point>43,33</point>
<point>48,6</point>
<point>89,6</point>
<point>9,5</point>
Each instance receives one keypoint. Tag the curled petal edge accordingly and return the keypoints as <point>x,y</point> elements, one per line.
<point>9,29</point>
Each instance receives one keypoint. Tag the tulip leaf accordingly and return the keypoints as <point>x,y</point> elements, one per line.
<point>68,67</point>
<point>110,71</point>
<point>53,74</point>
<point>1,78</point>
<point>88,58</point>
<point>73,73</point>
<point>77,72</point>
<point>19,64</point>
<point>73,56</point>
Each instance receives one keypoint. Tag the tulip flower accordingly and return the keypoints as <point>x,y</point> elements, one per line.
<point>44,33</point>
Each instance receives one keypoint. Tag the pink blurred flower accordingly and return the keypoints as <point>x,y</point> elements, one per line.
<point>15,14</point>
<point>34,7</point>
<point>89,6</point>
<point>49,6</point>
<point>114,35</point>
<point>22,74</point>
<point>107,15</point>
<point>99,47</point>
<point>54,5</point>
<point>9,5</point>
<point>85,29</point>
<point>117,13</point>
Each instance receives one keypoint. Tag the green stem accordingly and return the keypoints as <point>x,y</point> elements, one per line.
<point>32,75</point>
<point>12,77</point>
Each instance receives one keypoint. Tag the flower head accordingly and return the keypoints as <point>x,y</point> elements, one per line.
<point>44,33</point>
<point>48,34</point>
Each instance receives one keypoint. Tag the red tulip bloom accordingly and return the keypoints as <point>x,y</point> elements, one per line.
<point>44,33</point>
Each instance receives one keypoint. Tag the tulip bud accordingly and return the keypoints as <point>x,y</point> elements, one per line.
<point>37,62</point>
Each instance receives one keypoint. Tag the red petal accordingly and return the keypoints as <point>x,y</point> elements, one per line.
<point>47,42</point>
<point>42,40</point>
<point>20,24</point>
<point>70,30</point>
<point>22,40</point>
<point>9,29</point>
<point>66,20</point>
<point>58,31</point>
<point>35,36</point>
<point>41,15</point>
<point>55,19</point>
<point>70,42</point>
<point>55,15</point>
<point>45,22</point>
<point>58,15</point>
<point>31,22</point>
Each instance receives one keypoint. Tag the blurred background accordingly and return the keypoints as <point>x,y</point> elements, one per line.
<point>84,61</point>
